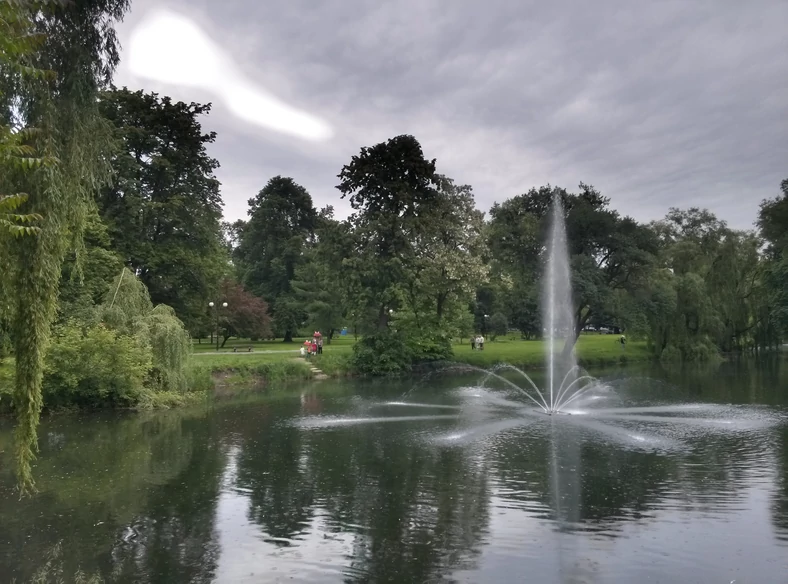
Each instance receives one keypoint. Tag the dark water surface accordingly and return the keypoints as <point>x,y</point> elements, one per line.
<point>331,484</point>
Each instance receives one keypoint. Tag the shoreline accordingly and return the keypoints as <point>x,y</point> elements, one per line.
<point>208,380</point>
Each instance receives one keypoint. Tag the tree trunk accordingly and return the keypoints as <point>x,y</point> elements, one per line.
<point>224,340</point>
<point>383,321</point>
<point>441,301</point>
<point>288,337</point>
<point>581,320</point>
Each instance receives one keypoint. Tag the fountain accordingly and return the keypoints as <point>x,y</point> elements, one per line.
<point>558,310</point>
<point>559,319</point>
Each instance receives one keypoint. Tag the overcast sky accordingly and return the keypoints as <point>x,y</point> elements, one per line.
<point>659,103</point>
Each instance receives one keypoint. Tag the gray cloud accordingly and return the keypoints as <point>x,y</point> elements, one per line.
<point>658,104</point>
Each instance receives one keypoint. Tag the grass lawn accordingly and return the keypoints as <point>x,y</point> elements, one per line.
<point>591,350</point>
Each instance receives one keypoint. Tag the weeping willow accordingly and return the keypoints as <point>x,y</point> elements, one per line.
<point>127,308</point>
<point>78,46</point>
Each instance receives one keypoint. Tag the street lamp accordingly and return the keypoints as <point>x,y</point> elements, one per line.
<point>486,316</point>
<point>216,318</point>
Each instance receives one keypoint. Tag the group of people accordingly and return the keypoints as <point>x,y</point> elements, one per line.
<point>313,346</point>
<point>477,343</point>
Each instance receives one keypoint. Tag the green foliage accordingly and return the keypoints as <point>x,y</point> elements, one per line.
<point>390,352</point>
<point>282,219</point>
<point>498,325</point>
<point>163,208</point>
<point>393,190</point>
<point>318,286</point>
<point>427,345</point>
<point>128,309</point>
<point>334,364</point>
<point>76,42</point>
<point>608,253</point>
<point>773,221</point>
<point>94,366</point>
<point>170,347</point>
<point>382,353</point>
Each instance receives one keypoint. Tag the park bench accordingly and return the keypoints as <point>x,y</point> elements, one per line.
<point>248,349</point>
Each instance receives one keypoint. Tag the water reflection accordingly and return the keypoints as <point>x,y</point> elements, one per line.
<point>257,491</point>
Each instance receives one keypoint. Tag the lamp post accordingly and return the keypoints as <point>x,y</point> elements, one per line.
<point>484,324</point>
<point>215,308</point>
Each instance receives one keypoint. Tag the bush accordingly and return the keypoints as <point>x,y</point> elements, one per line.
<point>93,366</point>
<point>390,352</point>
<point>429,347</point>
<point>170,347</point>
<point>381,353</point>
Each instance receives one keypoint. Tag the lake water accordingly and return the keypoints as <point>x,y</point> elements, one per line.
<point>679,476</point>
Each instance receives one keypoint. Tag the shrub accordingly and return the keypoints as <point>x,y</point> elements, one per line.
<point>381,353</point>
<point>427,347</point>
<point>94,365</point>
<point>170,347</point>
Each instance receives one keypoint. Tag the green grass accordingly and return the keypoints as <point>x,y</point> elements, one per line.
<point>340,343</point>
<point>591,350</point>
<point>211,371</point>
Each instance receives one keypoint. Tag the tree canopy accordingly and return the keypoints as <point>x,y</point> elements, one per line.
<point>163,209</point>
<point>282,219</point>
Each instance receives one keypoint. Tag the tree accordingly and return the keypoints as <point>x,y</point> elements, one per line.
<point>773,224</point>
<point>449,253</point>
<point>608,253</point>
<point>164,208</point>
<point>78,45</point>
<point>86,276</point>
<point>708,297</point>
<point>18,46</point>
<point>773,221</point>
<point>246,315</point>
<point>498,325</point>
<point>282,219</point>
<point>392,189</point>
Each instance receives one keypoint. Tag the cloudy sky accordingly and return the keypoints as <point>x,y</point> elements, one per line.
<point>657,103</point>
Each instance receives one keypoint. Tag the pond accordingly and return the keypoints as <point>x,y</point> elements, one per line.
<point>678,476</point>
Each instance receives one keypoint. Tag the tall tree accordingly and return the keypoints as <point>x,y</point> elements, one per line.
<point>608,252</point>
<point>320,283</point>
<point>392,187</point>
<point>164,208</point>
<point>78,45</point>
<point>773,224</point>
<point>282,219</point>
<point>450,250</point>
